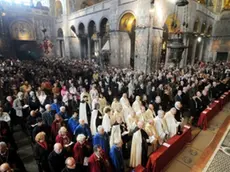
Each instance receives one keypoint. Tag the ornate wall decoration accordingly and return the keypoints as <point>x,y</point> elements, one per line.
<point>22,30</point>
<point>172,23</point>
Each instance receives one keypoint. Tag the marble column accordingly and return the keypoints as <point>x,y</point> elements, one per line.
<point>167,58</point>
<point>194,51</point>
<point>89,47</point>
<point>201,50</point>
<point>185,53</point>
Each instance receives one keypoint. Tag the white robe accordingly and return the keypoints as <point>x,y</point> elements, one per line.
<point>130,89</point>
<point>106,123</point>
<point>93,122</point>
<point>136,106</point>
<point>115,135</point>
<point>127,109</point>
<point>160,129</point>
<point>136,149</point>
<point>83,113</point>
<point>171,123</point>
<point>93,94</point>
<point>42,99</point>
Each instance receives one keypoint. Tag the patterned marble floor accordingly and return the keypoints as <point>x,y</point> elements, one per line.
<point>186,159</point>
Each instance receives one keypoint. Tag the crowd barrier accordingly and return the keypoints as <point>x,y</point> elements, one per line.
<point>213,110</point>
<point>160,158</point>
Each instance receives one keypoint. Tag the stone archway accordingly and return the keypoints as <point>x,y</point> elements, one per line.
<point>83,41</point>
<point>60,39</point>
<point>92,35</point>
<point>104,31</point>
<point>58,8</point>
<point>128,25</point>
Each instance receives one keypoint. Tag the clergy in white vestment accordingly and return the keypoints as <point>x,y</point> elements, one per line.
<point>139,147</point>
<point>127,109</point>
<point>84,110</point>
<point>149,114</point>
<point>106,122</point>
<point>85,93</point>
<point>131,89</point>
<point>137,104</point>
<point>94,102</point>
<point>42,98</point>
<point>152,133</point>
<point>96,119</point>
<point>115,134</point>
<point>93,92</point>
<point>116,105</point>
<point>161,127</point>
<point>171,122</point>
<point>102,102</point>
<point>132,121</point>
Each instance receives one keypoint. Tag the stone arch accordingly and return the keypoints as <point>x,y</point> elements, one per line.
<point>81,28</point>
<point>209,30</point>
<point>83,41</point>
<point>72,28</point>
<point>92,34</point>
<point>60,33</point>
<point>58,8</point>
<point>60,42</point>
<point>104,31</point>
<point>203,27</point>
<point>196,25</point>
<point>127,23</point>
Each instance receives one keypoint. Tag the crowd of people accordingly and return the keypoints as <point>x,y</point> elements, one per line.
<point>80,118</point>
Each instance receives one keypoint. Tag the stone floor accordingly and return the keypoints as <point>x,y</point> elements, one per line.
<point>185,159</point>
<point>25,149</point>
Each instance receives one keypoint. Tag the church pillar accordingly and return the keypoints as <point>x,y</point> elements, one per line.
<point>166,58</point>
<point>194,50</point>
<point>156,51</point>
<point>89,47</point>
<point>201,50</point>
<point>185,53</point>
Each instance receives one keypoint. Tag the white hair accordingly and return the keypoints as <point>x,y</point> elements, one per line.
<point>62,130</point>
<point>3,144</point>
<point>177,104</point>
<point>62,108</point>
<point>81,137</point>
<point>160,113</point>
<point>20,94</point>
<point>99,128</point>
<point>47,106</point>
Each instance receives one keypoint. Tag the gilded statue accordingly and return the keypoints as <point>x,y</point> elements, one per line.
<point>227,4</point>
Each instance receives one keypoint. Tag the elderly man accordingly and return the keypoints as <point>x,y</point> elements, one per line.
<point>102,139</point>
<point>11,157</point>
<point>83,128</point>
<point>5,167</point>
<point>4,116</point>
<point>84,110</point>
<point>57,158</point>
<point>178,115</point>
<point>81,152</point>
<point>117,157</point>
<point>139,147</point>
<point>48,116</point>
<point>70,165</point>
<point>63,113</point>
<point>149,113</point>
<point>98,161</point>
<point>137,104</point>
<point>160,125</point>
<point>152,133</point>
<point>73,122</point>
<point>171,122</point>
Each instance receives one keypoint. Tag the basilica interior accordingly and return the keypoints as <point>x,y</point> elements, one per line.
<point>117,48</point>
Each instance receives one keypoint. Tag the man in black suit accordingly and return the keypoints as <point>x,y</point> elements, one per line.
<point>178,115</point>
<point>57,158</point>
<point>205,99</point>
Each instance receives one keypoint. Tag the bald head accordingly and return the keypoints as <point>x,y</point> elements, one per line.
<point>70,163</point>
<point>5,167</point>
<point>58,148</point>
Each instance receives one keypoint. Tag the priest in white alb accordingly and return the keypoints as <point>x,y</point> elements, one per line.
<point>137,104</point>
<point>161,127</point>
<point>171,122</point>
